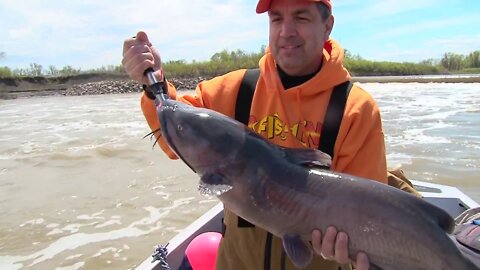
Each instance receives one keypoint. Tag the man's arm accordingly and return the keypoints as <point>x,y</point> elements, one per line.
<point>360,147</point>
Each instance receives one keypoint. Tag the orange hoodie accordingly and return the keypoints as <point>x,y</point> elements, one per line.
<point>294,117</point>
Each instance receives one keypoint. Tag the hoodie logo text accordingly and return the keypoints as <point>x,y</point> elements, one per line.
<point>306,132</point>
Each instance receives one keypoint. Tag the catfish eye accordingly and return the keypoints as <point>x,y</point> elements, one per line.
<point>179,127</point>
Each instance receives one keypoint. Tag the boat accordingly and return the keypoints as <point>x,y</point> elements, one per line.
<point>449,198</point>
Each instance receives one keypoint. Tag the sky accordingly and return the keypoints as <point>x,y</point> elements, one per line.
<point>89,34</point>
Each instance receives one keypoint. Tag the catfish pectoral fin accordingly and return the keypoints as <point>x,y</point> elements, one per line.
<point>297,250</point>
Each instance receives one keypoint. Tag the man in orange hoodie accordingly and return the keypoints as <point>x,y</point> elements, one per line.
<point>298,74</point>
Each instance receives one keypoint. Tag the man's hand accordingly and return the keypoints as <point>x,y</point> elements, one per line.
<point>334,246</point>
<point>138,56</point>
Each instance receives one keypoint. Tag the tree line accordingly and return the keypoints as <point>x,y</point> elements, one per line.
<point>225,61</point>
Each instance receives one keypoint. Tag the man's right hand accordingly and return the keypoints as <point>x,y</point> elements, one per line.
<point>139,55</point>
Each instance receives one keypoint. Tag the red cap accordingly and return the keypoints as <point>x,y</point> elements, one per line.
<point>264,5</point>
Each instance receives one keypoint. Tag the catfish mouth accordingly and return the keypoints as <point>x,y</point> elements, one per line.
<point>213,189</point>
<point>214,184</point>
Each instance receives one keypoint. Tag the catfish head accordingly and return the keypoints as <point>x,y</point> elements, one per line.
<point>202,138</point>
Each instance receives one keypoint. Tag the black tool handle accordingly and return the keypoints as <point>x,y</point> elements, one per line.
<point>156,87</point>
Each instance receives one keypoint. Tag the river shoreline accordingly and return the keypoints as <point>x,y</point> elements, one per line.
<point>98,84</point>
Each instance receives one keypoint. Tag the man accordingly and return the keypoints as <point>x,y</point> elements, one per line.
<point>298,73</point>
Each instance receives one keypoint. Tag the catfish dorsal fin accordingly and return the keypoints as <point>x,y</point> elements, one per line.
<point>308,157</point>
<point>444,220</point>
<point>439,216</point>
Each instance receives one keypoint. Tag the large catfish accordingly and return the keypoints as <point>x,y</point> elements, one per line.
<point>290,192</point>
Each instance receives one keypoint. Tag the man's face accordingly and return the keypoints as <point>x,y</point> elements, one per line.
<point>297,35</point>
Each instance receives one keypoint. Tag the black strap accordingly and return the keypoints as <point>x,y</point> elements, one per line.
<point>283,259</point>
<point>242,112</point>
<point>268,252</point>
<point>242,223</point>
<point>245,95</point>
<point>333,117</point>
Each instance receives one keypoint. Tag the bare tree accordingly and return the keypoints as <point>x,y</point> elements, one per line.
<point>36,69</point>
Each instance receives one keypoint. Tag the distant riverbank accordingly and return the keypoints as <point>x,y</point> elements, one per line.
<point>458,78</point>
<point>97,84</point>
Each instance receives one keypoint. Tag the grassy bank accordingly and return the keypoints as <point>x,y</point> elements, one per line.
<point>225,61</point>
<point>35,80</point>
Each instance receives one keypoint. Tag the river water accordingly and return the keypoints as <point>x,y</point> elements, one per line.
<point>81,189</point>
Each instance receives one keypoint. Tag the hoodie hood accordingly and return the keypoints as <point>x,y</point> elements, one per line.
<point>331,74</point>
